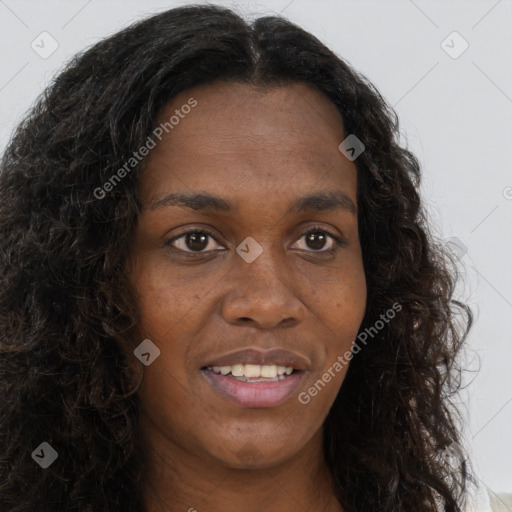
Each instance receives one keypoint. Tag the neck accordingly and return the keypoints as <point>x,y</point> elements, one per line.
<point>180,481</point>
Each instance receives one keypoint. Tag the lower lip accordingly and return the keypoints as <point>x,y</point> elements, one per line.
<point>255,394</point>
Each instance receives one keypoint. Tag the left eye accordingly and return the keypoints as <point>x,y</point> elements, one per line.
<point>196,241</point>
<point>318,236</point>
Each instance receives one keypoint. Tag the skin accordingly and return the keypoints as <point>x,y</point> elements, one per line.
<point>260,148</point>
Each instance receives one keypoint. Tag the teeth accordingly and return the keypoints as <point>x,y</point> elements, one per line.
<point>254,371</point>
<point>268,371</point>
<point>237,370</point>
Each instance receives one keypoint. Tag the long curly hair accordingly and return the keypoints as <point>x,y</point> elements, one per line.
<point>68,375</point>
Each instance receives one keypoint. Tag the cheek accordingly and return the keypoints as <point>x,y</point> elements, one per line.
<point>163,301</point>
<point>170,406</point>
<point>340,300</point>
<point>341,309</point>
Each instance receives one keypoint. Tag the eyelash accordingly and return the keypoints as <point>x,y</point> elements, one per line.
<point>339,242</point>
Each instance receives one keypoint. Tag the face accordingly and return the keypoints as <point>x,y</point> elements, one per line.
<point>272,262</point>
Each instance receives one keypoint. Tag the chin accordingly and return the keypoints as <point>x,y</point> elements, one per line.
<point>253,456</point>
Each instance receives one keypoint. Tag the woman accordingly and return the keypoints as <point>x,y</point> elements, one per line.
<point>219,290</point>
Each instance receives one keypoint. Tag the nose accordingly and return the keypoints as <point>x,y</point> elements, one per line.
<point>262,293</point>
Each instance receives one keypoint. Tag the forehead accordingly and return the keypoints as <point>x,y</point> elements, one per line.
<point>240,137</point>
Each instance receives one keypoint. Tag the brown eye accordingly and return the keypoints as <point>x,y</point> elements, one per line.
<point>198,241</point>
<point>192,241</point>
<point>317,238</point>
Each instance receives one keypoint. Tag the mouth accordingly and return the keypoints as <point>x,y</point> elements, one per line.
<point>254,372</point>
<point>251,385</point>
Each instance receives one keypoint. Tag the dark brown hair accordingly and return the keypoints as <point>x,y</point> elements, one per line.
<point>67,313</point>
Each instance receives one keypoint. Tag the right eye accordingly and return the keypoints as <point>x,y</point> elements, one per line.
<point>192,241</point>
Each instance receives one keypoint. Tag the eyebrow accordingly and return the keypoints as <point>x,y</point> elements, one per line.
<point>318,201</point>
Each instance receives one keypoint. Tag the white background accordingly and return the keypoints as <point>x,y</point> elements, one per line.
<point>456,115</point>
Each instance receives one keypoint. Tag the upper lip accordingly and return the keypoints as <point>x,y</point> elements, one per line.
<point>277,356</point>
